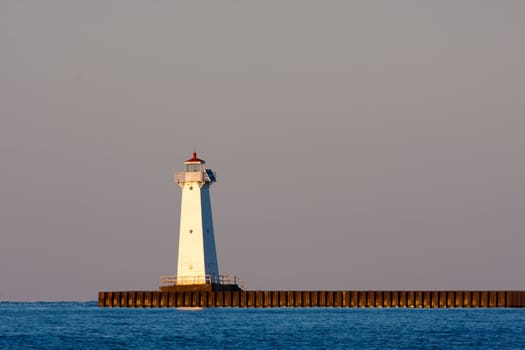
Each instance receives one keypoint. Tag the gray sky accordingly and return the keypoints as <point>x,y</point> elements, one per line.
<point>358,144</point>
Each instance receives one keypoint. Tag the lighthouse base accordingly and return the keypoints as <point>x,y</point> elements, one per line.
<point>201,288</point>
<point>207,283</point>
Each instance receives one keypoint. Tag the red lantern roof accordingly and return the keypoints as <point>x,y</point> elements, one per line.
<point>194,159</point>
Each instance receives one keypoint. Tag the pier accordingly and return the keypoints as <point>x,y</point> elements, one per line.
<point>293,299</point>
<point>199,284</point>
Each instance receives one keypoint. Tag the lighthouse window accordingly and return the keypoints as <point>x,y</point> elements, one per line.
<point>194,168</point>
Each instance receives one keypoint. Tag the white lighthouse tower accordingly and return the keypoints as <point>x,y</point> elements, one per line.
<point>197,261</point>
<point>197,253</point>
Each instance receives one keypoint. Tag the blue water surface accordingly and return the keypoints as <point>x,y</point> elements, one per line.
<point>85,326</point>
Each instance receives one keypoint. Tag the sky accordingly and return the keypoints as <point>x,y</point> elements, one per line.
<point>358,144</point>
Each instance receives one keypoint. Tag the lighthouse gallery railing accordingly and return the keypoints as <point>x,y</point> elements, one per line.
<point>166,281</point>
<point>197,176</point>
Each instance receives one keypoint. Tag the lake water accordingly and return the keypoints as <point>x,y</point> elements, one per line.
<point>85,326</point>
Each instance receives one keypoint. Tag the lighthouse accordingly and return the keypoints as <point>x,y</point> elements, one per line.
<point>197,267</point>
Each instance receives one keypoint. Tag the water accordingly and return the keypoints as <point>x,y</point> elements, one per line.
<point>85,326</point>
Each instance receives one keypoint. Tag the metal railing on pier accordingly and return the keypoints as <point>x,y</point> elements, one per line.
<point>166,281</point>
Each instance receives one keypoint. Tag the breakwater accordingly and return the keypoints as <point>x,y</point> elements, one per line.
<point>344,299</point>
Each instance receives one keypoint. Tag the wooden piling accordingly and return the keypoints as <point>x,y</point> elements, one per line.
<point>196,299</point>
<point>267,299</point>
<point>259,299</point>
<point>347,299</point>
<point>219,299</point>
<point>250,297</point>
<point>283,299</point>
<point>387,299</point>
<point>502,299</point>
<point>155,299</point>
<point>108,299</point>
<point>298,299</point>
<point>411,299</point>
<point>290,300</point>
<point>227,299</point>
<point>475,299</point>
<point>211,299</point>
<point>101,299</point>
<point>378,296</point>
<point>427,299</point>
<point>243,299</point>
<point>451,300</point>
<point>148,299</point>
<point>274,299</point>
<point>139,301</point>
<point>418,301</point>
<point>115,302</point>
<point>394,301</point>
<point>314,302</point>
<point>362,299</point>
<point>306,299</point>
<point>435,300</point>
<point>321,299</point>
<point>338,299</point>
<point>354,301</point>
<point>370,299</point>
